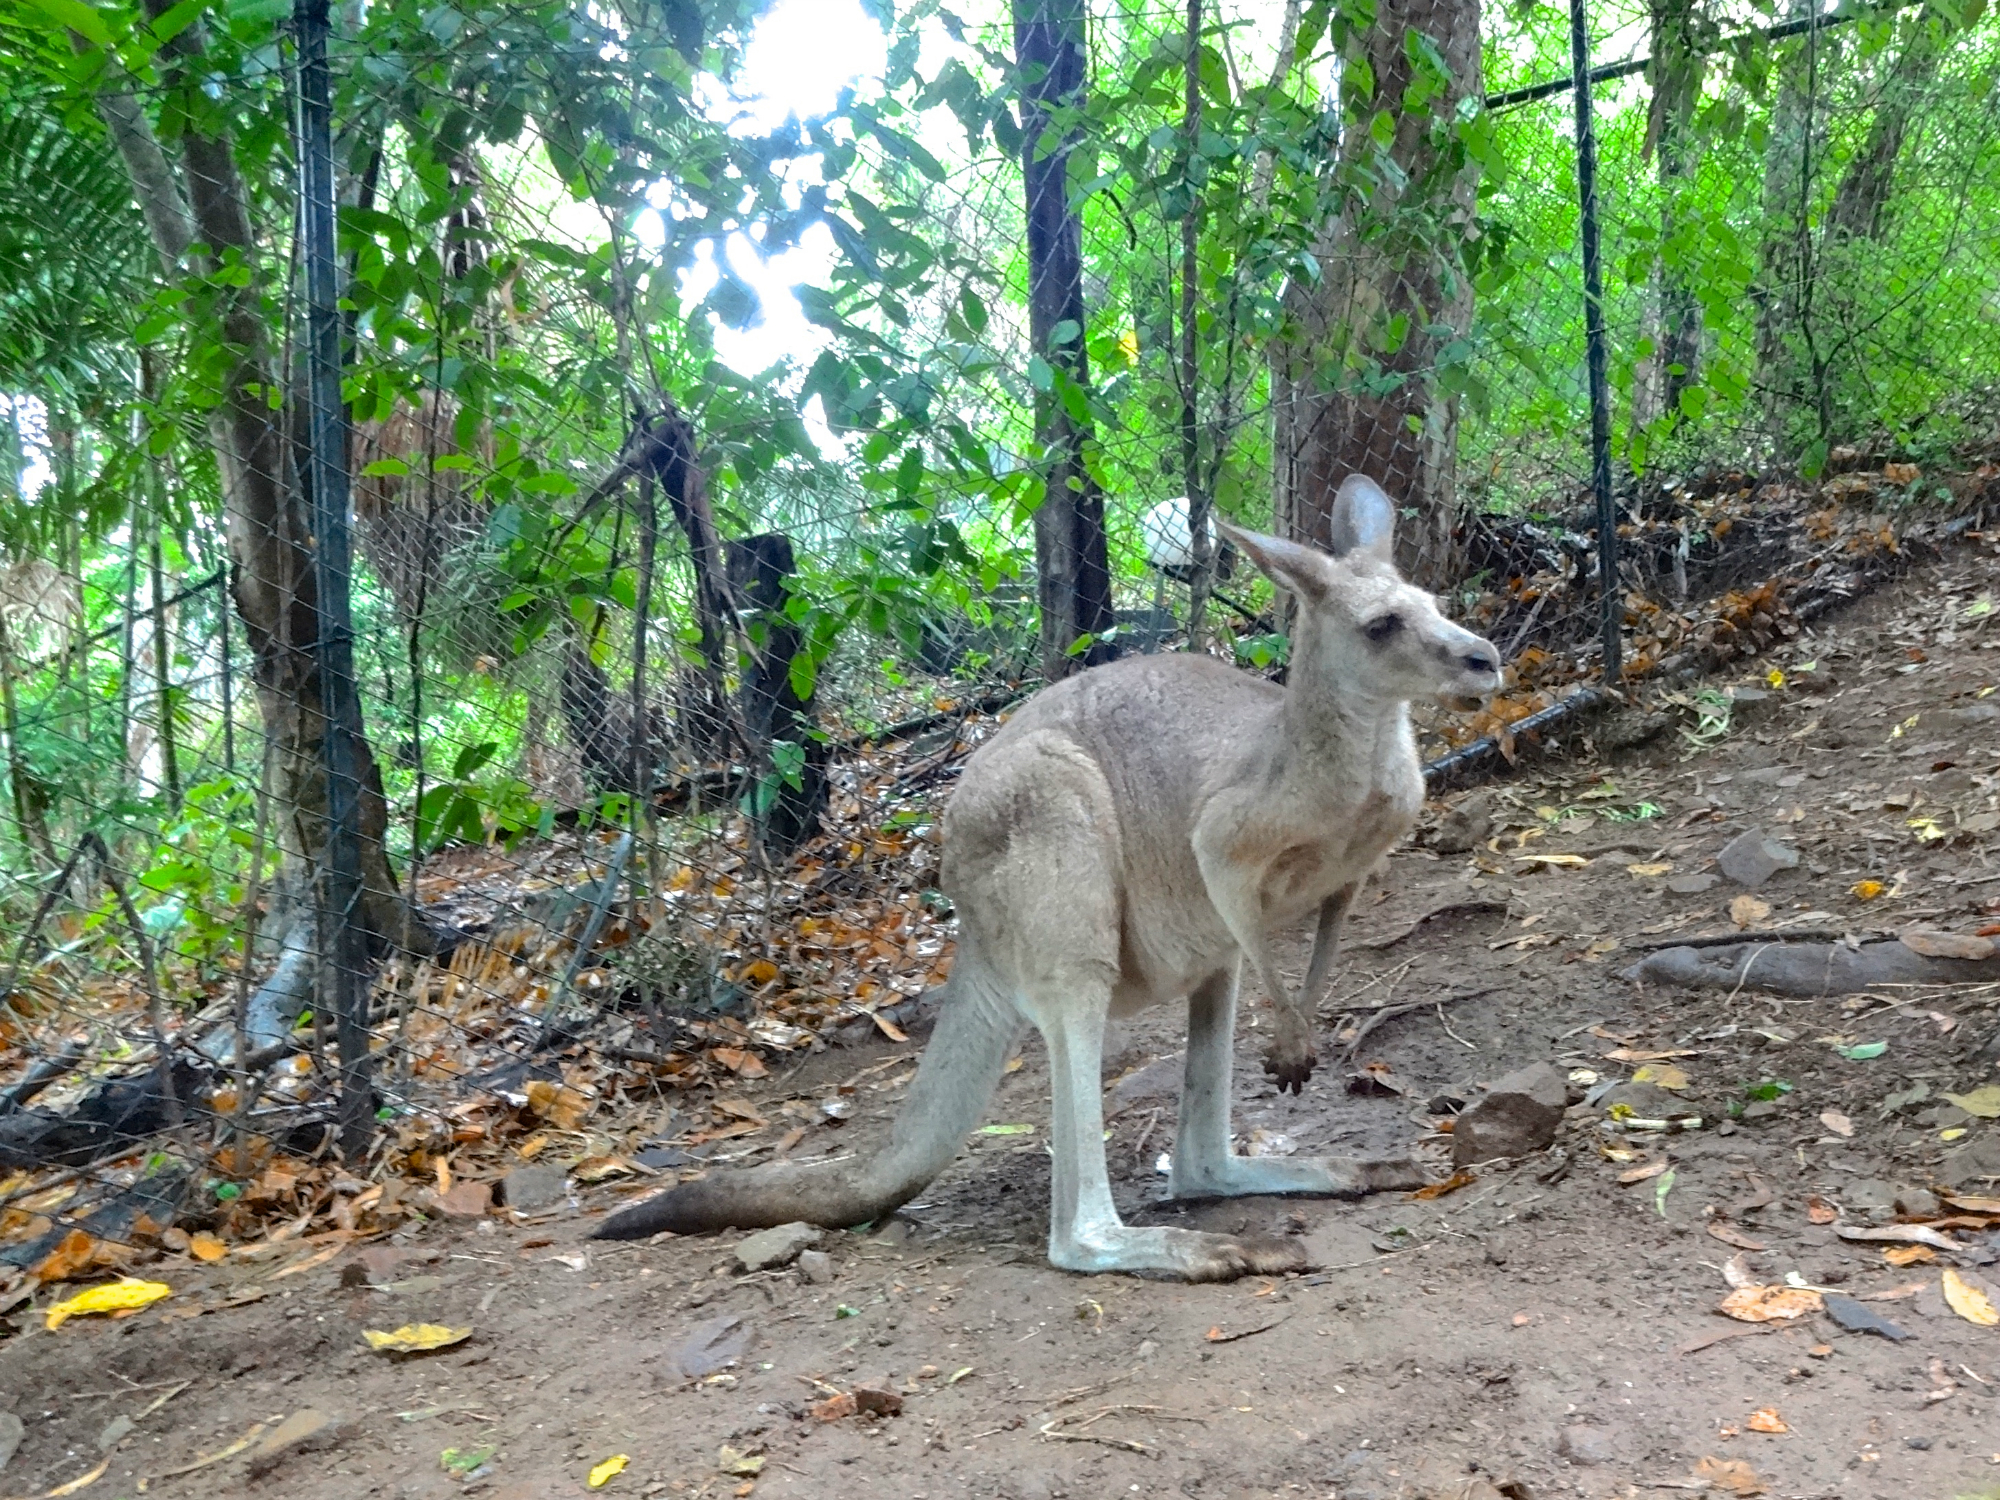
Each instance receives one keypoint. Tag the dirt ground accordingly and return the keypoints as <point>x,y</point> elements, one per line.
<point>1525,1335</point>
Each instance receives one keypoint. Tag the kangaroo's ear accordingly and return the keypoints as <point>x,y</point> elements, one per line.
<point>1296,569</point>
<point>1364,519</point>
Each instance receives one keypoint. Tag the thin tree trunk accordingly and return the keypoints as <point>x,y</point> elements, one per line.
<point>1861,200</point>
<point>1359,388</point>
<point>788,786</point>
<point>269,535</point>
<point>163,663</point>
<point>1072,561</point>
<point>1677,323</point>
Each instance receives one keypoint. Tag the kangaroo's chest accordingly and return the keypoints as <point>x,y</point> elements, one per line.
<point>1313,863</point>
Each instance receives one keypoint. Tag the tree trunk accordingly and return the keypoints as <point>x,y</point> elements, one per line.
<point>1861,201</point>
<point>1787,363</point>
<point>266,511</point>
<point>1364,384</point>
<point>1072,562</point>
<point>787,785</point>
<point>672,453</point>
<point>1676,76</point>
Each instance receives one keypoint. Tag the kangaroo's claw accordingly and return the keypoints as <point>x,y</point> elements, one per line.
<point>1290,1070</point>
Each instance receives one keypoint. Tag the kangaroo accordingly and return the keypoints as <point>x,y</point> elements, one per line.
<point>1132,836</point>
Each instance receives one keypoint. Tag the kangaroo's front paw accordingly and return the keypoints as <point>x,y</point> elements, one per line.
<point>1290,1064</point>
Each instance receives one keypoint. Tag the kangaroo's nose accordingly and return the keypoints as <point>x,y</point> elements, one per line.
<point>1485,659</point>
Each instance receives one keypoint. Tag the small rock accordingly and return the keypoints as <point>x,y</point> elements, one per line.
<point>710,1346</point>
<point>1466,826</point>
<point>115,1432</point>
<point>1975,1166</point>
<point>1859,1317</point>
<point>1971,714</point>
<point>305,1431</point>
<point>1918,1203</point>
<point>11,1430</point>
<point>816,1266</point>
<point>1752,857</point>
<point>1693,885</point>
<point>878,1400</point>
<point>530,1188</point>
<point>1586,1445</point>
<point>770,1248</point>
<point>1518,1116</point>
<point>467,1200</point>
<point>1757,1111</point>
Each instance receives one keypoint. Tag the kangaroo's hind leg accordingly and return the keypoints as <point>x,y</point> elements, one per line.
<point>1042,905</point>
<point>1205,1167</point>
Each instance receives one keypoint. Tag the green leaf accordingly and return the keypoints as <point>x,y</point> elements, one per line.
<point>1863,1051</point>
<point>85,20</point>
<point>472,757</point>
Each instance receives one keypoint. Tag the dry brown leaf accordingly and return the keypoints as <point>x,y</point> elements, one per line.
<point>1973,1205</point>
<point>1729,1234</point>
<point>1770,1304</point>
<point>1663,1075</point>
<point>1902,1234</point>
<point>562,1106</point>
<point>888,1027</point>
<point>1766,1419</point>
<point>1968,1301</point>
<point>1451,1184</point>
<point>740,1061</point>
<point>1820,1211</point>
<point>1909,1255</point>
<point>205,1246</point>
<point>1736,1271</point>
<point>1630,1055</point>
<point>1731,1474</point>
<point>1651,1170</point>
<point>598,1168</point>
<point>1748,911</point>
<point>1947,944</point>
<point>1838,1123</point>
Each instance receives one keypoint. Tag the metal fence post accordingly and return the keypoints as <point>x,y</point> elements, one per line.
<point>1593,338</point>
<point>343,953</point>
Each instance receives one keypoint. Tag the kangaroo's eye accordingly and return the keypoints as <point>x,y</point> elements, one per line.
<point>1383,627</point>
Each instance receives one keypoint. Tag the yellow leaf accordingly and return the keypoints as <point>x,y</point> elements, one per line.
<point>1646,872</point>
<point>1954,1133</point>
<point>414,1337</point>
<point>205,1246</point>
<point>1983,1101</point>
<point>1775,678</point>
<point>114,1296</point>
<point>1866,890</point>
<point>610,1469</point>
<point>1666,1075</point>
<point>1770,1304</point>
<point>1968,1301</point>
<point>1766,1419</point>
<point>1909,1255</point>
<point>1566,861</point>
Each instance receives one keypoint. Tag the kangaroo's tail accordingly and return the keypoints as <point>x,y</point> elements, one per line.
<point>976,1029</point>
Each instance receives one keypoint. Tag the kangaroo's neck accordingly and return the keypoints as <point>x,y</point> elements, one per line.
<point>1326,730</point>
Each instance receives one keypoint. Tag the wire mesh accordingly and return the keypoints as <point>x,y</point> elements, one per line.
<point>664,670</point>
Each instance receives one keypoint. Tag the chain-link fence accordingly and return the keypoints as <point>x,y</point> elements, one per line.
<point>660,670</point>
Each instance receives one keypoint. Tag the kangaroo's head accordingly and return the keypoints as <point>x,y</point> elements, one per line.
<point>1361,631</point>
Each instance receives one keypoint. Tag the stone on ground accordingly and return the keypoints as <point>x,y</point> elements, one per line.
<point>1518,1116</point>
<point>769,1248</point>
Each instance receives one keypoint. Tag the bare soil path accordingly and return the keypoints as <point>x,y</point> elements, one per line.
<point>1529,1334</point>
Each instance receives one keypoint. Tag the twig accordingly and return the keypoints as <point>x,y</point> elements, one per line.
<point>1450,909</point>
<point>1724,939</point>
<point>1390,1013</point>
<point>1469,1046</point>
<point>1048,1430</point>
